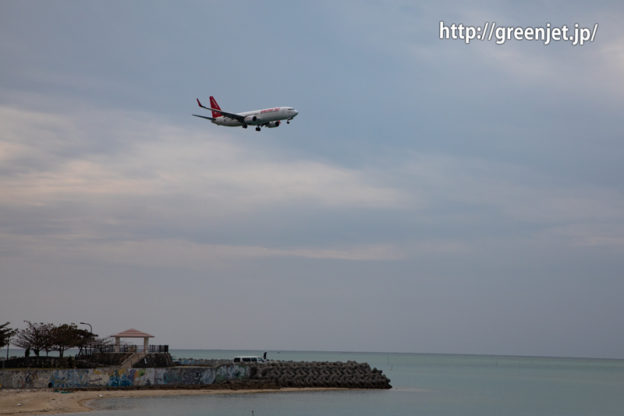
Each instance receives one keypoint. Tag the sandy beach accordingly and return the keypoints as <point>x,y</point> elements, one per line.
<point>39,402</point>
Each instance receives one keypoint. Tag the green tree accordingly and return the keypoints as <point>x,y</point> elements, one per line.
<point>5,334</point>
<point>67,336</point>
<point>36,337</point>
<point>63,337</point>
<point>85,338</point>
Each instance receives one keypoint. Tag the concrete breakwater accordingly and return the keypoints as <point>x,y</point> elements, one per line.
<point>273,374</point>
<point>320,374</point>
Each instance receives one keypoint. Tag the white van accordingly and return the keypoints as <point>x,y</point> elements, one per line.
<point>248,359</point>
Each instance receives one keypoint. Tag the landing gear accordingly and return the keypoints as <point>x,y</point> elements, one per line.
<point>244,126</point>
<point>287,121</point>
<point>258,128</point>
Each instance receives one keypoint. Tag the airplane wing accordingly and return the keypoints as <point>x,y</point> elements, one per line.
<point>207,118</point>
<point>223,113</point>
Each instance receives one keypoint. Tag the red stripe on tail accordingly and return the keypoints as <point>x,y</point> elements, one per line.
<point>213,104</point>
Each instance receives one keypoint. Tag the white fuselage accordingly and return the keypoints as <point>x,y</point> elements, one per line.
<point>258,117</point>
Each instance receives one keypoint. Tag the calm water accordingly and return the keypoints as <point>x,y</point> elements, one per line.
<point>424,384</point>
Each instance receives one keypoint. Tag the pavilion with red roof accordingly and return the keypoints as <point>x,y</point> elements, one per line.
<point>132,333</point>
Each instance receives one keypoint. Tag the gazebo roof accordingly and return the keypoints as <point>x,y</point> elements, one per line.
<point>132,333</point>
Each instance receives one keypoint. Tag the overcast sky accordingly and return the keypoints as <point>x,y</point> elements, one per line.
<point>431,196</point>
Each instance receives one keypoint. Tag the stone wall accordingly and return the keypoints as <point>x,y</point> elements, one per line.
<point>155,360</point>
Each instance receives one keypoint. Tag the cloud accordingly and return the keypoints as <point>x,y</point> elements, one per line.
<point>59,181</point>
<point>590,235</point>
<point>483,193</point>
<point>161,185</point>
<point>181,254</point>
<point>151,157</point>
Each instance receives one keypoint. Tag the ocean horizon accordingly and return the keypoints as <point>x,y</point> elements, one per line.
<point>213,352</point>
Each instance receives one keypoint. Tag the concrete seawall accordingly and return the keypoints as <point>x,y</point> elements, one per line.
<point>116,377</point>
<point>273,374</point>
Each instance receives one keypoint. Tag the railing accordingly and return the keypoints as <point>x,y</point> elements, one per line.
<point>158,348</point>
<point>96,349</point>
<point>124,348</point>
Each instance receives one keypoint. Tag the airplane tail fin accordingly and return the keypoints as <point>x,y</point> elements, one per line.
<point>213,104</point>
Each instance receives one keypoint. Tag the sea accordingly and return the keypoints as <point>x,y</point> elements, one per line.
<point>423,384</point>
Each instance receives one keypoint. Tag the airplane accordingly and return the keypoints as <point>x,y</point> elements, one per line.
<point>267,117</point>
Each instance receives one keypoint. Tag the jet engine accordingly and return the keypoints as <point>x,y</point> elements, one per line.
<point>271,124</point>
<point>251,119</point>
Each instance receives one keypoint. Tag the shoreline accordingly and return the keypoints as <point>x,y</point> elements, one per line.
<point>30,402</point>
